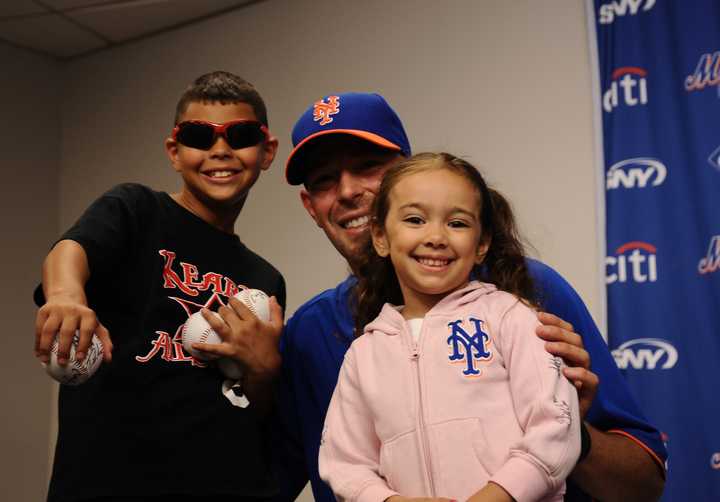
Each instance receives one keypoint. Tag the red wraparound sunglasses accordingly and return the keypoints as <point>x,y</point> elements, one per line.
<point>203,135</point>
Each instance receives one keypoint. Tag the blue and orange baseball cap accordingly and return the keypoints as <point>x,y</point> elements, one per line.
<point>364,115</point>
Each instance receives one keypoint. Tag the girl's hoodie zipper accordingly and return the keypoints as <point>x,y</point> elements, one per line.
<point>424,446</point>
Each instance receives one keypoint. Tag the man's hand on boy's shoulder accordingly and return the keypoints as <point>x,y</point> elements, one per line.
<point>63,316</point>
<point>247,339</point>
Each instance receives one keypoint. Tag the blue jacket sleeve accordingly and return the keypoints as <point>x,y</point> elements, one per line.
<point>287,448</point>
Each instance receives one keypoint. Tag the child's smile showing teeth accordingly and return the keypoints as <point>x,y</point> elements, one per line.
<point>433,262</point>
<point>221,173</point>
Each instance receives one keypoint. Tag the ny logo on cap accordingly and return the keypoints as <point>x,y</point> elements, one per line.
<point>322,111</point>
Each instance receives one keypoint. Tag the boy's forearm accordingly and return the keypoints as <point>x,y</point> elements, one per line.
<point>260,391</point>
<point>260,382</point>
<point>65,271</point>
<point>618,469</point>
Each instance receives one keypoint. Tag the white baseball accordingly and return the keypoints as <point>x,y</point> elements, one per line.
<point>259,304</point>
<point>75,372</point>
<point>197,330</point>
<point>257,301</point>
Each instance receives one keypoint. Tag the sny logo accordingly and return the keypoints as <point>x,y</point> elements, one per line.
<point>322,111</point>
<point>644,266</point>
<point>711,262</point>
<point>645,353</point>
<point>619,8</point>
<point>472,348</point>
<point>631,173</point>
<point>707,73</point>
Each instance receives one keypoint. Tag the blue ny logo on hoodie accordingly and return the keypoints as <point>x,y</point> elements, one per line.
<point>472,348</point>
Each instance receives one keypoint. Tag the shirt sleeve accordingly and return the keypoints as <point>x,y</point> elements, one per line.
<point>281,295</point>
<point>546,406</point>
<point>108,229</point>
<point>350,449</point>
<point>110,226</point>
<point>613,409</point>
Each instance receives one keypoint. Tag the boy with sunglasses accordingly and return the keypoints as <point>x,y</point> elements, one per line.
<point>153,424</point>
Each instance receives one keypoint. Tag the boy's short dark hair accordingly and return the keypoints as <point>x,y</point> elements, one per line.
<point>225,88</point>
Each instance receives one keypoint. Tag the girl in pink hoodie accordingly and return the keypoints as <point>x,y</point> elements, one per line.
<point>448,394</point>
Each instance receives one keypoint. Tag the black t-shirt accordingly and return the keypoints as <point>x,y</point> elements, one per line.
<point>154,421</point>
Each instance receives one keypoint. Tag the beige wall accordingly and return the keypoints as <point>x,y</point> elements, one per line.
<point>30,144</point>
<point>505,84</point>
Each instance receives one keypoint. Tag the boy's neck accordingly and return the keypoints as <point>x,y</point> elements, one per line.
<point>223,219</point>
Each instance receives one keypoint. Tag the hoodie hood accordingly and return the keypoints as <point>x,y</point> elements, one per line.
<point>391,322</point>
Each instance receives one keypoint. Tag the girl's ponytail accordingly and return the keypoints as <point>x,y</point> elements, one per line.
<point>504,263</point>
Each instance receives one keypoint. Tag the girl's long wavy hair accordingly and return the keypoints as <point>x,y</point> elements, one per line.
<point>504,264</point>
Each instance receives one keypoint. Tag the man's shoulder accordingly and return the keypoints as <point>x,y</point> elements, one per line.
<point>329,303</point>
<point>553,290</point>
<point>326,316</point>
<point>328,297</point>
<point>545,275</point>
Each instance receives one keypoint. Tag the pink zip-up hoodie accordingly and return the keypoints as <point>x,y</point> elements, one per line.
<point>476,399</point>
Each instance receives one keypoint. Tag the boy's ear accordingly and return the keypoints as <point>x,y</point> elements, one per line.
<point>269,148</point>
<point>380,242</point>
<point>171,148</point>
<point>482,250</point>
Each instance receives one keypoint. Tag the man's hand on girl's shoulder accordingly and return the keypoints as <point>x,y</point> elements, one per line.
<point>562,341</point>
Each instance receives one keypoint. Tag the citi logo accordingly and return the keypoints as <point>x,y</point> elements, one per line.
<point>633,82</point>
<point>645,353</point>
<point>618,8</point>
<point>635,173</point>
<point>635,261</point>
<point>711,261</point>
<point>715,460</point>
<point>707,73</point>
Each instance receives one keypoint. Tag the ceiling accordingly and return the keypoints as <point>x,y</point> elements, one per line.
<point>66,29</point>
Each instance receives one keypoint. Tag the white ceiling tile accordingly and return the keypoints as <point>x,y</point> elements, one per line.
<point>51,34</point>
<point>19,8</point>
<point>127,20</point>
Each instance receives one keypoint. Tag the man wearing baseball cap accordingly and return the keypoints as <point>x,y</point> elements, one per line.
<point>343,145</point>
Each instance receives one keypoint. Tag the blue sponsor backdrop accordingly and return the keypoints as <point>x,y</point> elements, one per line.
<point>659,72</point>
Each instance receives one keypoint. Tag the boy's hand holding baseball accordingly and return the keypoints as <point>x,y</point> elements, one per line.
<point>63,315</point>
<point>248,340</point>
